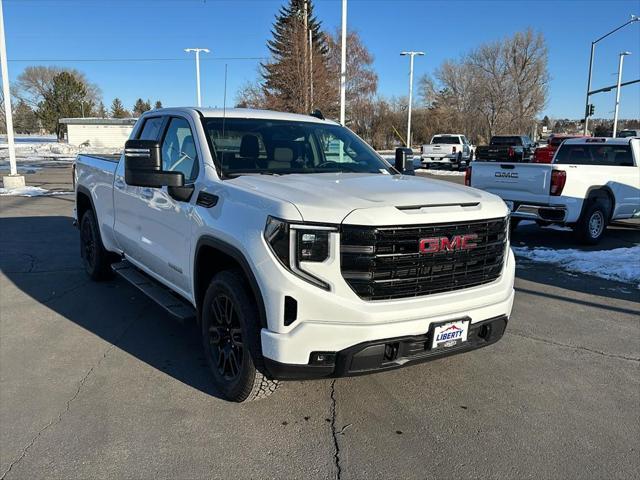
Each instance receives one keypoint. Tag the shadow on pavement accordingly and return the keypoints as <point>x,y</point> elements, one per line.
<point>40,255</point>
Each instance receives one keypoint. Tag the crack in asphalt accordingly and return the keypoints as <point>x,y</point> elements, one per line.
<point>67,408</point>
<point>72,288</point>
<point>576,347</point>
<point>334,432</point>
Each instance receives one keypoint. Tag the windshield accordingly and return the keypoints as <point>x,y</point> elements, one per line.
<point>581,154</point>
<point>506,141</point>
<point>275,147</point>
<point>446,140</point>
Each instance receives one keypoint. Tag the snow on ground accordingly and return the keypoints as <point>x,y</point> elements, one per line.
<point>417,164</point>
<point>28,151</point>
<point>29,191</point>
<point>621,264</point>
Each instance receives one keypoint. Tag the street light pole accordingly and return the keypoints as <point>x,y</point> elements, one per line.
<point>411,55</point>
<point>615,115</point>
<point>634,18</point>
<point>343,64</point>
<point>13,180</point>
<point>197,52</point>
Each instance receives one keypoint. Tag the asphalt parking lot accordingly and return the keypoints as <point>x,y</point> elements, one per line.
<point>97,382</point>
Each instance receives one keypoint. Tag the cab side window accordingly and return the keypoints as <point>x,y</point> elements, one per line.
<point>151,129</point>
<point>179,150</point>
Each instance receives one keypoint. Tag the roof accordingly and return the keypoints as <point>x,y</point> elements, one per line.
<point>599,141</point>
<point>248,113</point>
<point>98,121</point>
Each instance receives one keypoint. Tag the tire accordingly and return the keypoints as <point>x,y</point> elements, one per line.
<point>96,260</point>
<point>231,339</point>
<point>593,222</point>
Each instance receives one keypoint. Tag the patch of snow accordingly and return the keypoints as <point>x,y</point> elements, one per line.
<point>26,191</point>
<point>446,173</point>
<point>621,264</point>
<point>35,151</point>
<point>29,191</point>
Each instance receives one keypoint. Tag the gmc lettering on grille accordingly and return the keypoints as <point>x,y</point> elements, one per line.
<point>444,244</point>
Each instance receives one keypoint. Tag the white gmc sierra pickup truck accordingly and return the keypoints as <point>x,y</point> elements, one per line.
<point>297,248</point>
<point>590,182</point>
<point>451,149</point>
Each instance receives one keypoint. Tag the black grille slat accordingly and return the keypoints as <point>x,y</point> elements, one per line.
<point>396,269</point>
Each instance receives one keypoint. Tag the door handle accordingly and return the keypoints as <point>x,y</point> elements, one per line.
<point>146,193</point>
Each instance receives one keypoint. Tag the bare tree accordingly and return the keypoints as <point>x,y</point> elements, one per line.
<point>35,82</point>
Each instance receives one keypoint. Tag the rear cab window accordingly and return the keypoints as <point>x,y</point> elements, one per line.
<point>506,141</point>
<point>590,154</point>
<point>446,139</point>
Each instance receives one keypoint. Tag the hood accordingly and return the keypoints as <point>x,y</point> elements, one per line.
<point>382,199</point>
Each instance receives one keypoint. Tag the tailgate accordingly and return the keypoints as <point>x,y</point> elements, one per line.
<point>437,149</point>
<point>521,182</point>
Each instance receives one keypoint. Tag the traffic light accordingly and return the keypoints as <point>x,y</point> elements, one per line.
<point>591,109</point>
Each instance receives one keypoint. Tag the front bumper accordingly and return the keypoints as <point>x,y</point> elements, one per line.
<point>388,354</point>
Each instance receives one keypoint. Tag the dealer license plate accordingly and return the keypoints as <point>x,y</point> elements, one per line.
<point>450,334</point>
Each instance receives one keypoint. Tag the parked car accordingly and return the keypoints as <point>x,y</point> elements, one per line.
<point>299,250</point>
<point>451,149</point>
<point>591,182</point>
<point>628,133</point>
<point>545,154</point>
<point>506,148</point>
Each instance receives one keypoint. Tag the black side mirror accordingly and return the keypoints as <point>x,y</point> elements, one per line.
<point>143,166</point>
<point>404,161</point>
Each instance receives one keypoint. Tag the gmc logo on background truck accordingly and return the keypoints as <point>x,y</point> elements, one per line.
<point>444,244</point>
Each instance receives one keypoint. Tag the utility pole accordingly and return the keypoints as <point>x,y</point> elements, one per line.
<point>305,64</point>
<point>615,115</point>
<point>343,64</point>
<point>197,52</point>
<point>311,68</point>
<point>13,180</point>
<point>634,18</point>
<point>411,55</point>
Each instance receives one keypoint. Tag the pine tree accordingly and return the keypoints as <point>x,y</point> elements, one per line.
<point>24,118</point>
<point>62,99</point>
<point>140,107</point>
<point>102,111</point>
<point>118,110</point>
<point>158,104</point>
<point>288,77</point>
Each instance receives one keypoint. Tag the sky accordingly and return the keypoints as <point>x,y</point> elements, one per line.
<point>106,39</point>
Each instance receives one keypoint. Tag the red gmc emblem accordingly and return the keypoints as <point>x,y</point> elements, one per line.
<point>445,244</point>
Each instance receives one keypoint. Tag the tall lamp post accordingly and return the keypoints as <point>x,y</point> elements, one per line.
<point>343,64</point>
<point>615,115</point>
<point>197,52</point>
<point>634,18</point>
<point>13,180</point>
<point>411,55</point>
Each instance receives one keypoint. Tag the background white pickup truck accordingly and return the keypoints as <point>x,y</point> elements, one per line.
<point>447,149</point>
<point>590,182</point>
<point>298,249</point>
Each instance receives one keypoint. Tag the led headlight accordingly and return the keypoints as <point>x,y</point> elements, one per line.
<point>295,243</point>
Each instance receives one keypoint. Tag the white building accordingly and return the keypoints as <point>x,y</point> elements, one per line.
<point>98,132</point>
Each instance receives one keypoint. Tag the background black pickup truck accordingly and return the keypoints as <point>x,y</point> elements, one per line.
<point>506,148</point>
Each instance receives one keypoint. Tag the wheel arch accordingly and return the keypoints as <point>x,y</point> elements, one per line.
<point>84,202</point>
<point>213,255</point>
<point>597,192</point>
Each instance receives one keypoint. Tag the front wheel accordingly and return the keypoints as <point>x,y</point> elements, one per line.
<point>593,223</point>
<point>231,339</point>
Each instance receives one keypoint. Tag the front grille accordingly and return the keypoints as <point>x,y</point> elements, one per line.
<point>382,263</point>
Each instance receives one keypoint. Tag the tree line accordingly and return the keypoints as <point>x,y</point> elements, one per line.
<point>42,95</point>
<point>499,87</point>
